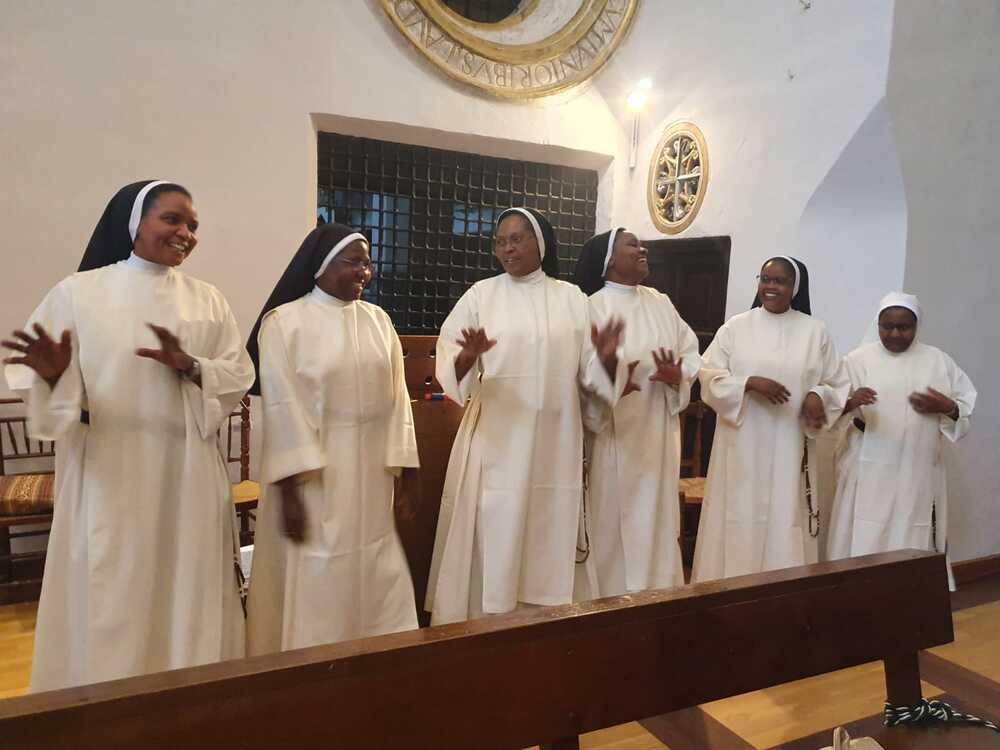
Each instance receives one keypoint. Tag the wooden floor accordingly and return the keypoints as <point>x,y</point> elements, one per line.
<point>794,716</point>
<point>17,638</point>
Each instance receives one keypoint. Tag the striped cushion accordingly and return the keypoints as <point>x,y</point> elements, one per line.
<point>26,494</point>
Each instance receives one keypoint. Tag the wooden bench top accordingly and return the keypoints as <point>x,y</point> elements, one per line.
<point>536,676</point>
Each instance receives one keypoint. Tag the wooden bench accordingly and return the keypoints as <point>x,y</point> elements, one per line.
<point>544,675</point>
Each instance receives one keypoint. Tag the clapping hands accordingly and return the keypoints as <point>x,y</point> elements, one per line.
<point>667,370</point>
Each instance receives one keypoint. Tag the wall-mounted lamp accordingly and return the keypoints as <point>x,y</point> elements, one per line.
<point>636,101</point>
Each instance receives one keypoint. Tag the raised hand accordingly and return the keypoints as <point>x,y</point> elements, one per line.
<point>772,390</point>
<point>631,386</point>
<point>861,397</point>
<point>474,343</point>
<point>813,411</point>
<point>667,371</point>
<point>44,355</point>
<point>933,402</point>
<point>606,341</point>
<point>169,353</point>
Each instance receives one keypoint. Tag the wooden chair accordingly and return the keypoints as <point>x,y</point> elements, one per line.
<point>691,487</point>
<point>246,493</point>
<point>26,499</point>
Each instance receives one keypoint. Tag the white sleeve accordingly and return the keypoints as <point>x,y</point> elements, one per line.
<point>855,380</point>
<point>291,437</point>
<point>51,411</point>
<point>720,389</point>
<point>834,384</point>
<point>226,376</point>
<point>686,347</point>
<point>591,373</point>
<point>465,314</point>
<point>401,438</point>
<point>963,392</point>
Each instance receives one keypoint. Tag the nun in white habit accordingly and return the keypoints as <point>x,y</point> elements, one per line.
<point>338,437</point>
<point>132,366</point>
<point>908,398</point>
<point>516,349</point>
<point>774,379</point>
<point>633,516</point>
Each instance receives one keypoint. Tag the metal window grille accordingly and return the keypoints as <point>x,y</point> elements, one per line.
<point>430,213</point>
<point>484,11</point>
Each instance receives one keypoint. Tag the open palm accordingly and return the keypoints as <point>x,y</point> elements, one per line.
<point>46,356</point>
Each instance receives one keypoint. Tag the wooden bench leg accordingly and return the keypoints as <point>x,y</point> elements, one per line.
<point>902,680</point>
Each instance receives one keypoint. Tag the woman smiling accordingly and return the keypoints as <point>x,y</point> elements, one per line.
<point>518,347</point>
<point>634,456</point>
<point>908,398</point>
<point>773,377</point>
<point>132,366</point>
<point>338,434</point>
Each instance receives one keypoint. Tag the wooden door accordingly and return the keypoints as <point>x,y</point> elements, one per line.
<point>695,274</point>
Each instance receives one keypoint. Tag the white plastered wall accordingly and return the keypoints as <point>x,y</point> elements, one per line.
<point>225,97</point>
<point>943,94</point>
<point>783,94</point>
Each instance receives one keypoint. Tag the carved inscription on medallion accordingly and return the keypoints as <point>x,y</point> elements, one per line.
<point>678,177</point>
<point>509,64</point>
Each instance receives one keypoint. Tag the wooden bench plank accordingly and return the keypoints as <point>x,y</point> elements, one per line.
<point>511,681</point>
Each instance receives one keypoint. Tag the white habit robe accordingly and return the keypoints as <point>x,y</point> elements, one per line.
<point>634,457</point>
<point>140,574</point>
<point>891,477</point>
<point>511,504</point>
<point>336,409</point>
<point>754,516</point>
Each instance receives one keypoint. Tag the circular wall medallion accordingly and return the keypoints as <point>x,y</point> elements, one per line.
<point>678,177</point>
<point>539,49</point>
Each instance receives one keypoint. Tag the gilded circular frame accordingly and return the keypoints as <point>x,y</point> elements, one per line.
<point>565,57</point>
<point>678,177</point>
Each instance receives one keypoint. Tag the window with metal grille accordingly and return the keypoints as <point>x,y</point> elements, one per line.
<point>430,213</point>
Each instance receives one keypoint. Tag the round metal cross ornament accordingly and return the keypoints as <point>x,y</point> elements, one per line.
<point>678,177</point>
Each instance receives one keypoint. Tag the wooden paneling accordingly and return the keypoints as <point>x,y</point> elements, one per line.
<point>694,272</point>
<point>435,423</point>
<point>968,571</point>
